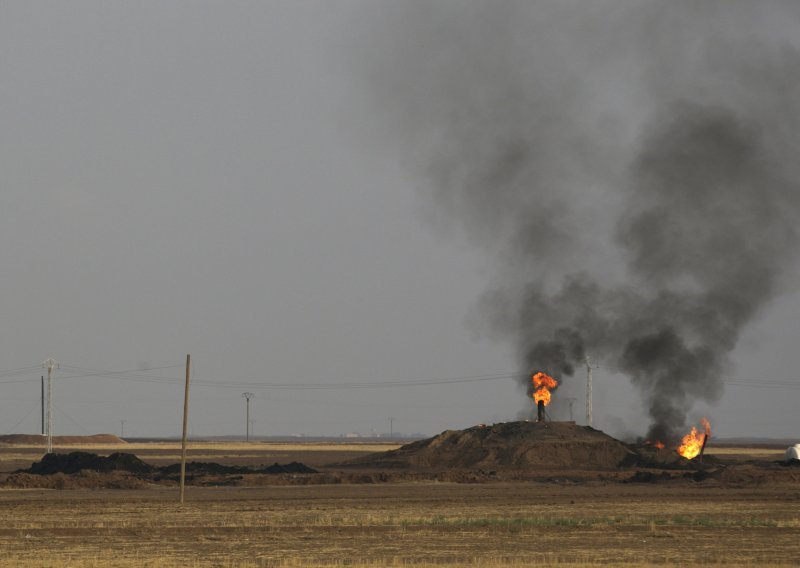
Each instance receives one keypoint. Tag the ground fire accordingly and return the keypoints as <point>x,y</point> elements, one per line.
<point>542,383</point>
<point>694,442</point>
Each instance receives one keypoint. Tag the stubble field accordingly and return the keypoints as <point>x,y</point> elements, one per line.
<point>559,520</point>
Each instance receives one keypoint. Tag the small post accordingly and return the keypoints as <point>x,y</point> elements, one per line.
<point>42,405</point>
<point>391,427</point>
<point>122,428</point>
<point>185,426</point>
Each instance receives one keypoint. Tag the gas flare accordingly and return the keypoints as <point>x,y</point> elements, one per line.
<point>542,383</point>
<point>693,442</point>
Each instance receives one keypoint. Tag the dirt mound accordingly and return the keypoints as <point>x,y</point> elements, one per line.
<point>510,445</point>
<point>212,468</point>
<point>74,462</point>
<point>37,440</point>
<point>293,467</point>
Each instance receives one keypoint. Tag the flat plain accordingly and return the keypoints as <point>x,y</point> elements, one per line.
<point>559,519</point>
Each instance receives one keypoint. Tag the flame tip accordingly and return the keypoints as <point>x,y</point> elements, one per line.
<point>542,383</point>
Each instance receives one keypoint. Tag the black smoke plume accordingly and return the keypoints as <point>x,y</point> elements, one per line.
<point>632,166</point>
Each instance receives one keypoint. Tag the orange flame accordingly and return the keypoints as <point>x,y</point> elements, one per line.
<point>542,383</point>
<point>659,444</point>
<point>692,443</point>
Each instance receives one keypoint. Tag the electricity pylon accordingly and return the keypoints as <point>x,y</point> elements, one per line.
<point>50,364</point>
<point>247,396</point>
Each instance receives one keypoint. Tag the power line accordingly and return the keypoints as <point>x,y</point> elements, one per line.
<point>137,375</point>
<point>14,427</point>
<point>130,375</point>
<point>764,385</point>
<point>20,371</point>
<point>68,417</point>
<point>387,383</point>
<point>102,373</point>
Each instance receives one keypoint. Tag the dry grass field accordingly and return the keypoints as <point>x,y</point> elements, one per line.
<point>747,453</point>
<point>396,524</point>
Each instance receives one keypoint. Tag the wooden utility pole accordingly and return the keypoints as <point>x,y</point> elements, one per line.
<point>185,425</point>
<point>42,405</point>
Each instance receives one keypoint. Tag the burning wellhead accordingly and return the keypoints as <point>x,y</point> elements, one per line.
<point>694,443</point>
<point>542,385</point>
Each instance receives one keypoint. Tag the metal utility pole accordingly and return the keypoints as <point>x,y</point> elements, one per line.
<point>50,364</point>
<point>247,396</point>
<point>571,400</point>
<point>42,405</point>
<point>588,392</point>
<point>122,428</point>
<point>185,425</point>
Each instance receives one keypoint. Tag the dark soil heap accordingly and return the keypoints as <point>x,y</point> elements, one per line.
<point>510,445</point>
<point>77,461</point>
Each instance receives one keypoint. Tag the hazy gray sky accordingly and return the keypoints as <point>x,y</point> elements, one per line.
<point>198,177</point>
